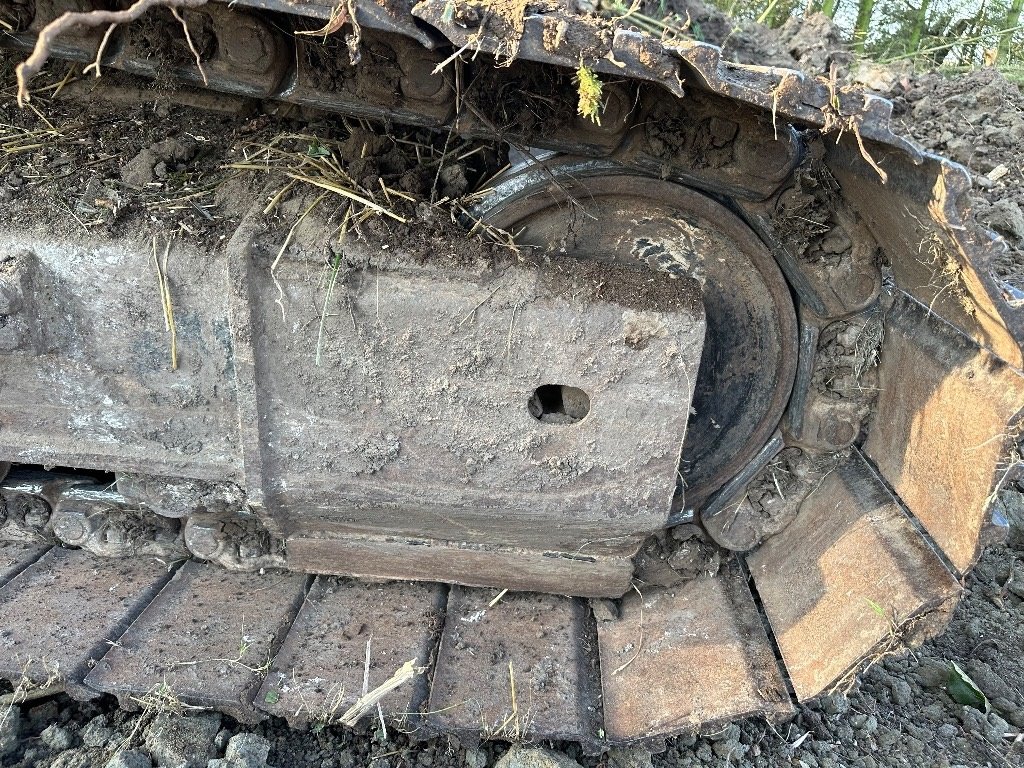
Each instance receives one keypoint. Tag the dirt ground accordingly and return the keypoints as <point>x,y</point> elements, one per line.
<point>109,169</point>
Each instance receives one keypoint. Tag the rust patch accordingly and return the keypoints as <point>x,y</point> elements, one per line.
<point>207,640</point>
<point>849,575</point>
<point>519,667</point>
<point>682,657</point>
<point>940,432</point>
<point>342,626</point>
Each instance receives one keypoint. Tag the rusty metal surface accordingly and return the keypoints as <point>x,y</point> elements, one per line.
<point>523,667</point>
<point>844,578</point>
<point>850,574</point>
<point>349,634</point>
<point>16,556</point>
<point>481,565</point>
<point>923,216</point>
<point>207,640</point>
<point>62,613</point>
<point>749,359</point>
<point>69,359</point>
<point>683,657</point>
<point>940,431</point>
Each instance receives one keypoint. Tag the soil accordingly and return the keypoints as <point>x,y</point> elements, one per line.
<point>122,171</point>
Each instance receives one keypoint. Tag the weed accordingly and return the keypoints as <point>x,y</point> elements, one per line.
<point>589,88</point>
<point>39,678</point>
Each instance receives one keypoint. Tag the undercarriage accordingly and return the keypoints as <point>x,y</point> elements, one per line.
<point>687,408</point>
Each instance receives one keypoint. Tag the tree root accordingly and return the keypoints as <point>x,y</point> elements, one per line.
<point>43,48</point>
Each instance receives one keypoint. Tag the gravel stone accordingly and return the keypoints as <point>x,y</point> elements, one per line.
<point>177,741</point>
<point>629,757</point>
<point>902,694</point>
<point>522,757</point>
<point>56,737</point>
<point>246,750</point>
<point>1006,218</point>
<point>834,704</point>
<point>96,733</point>
<point>129,759</point>
<point>10,727</point>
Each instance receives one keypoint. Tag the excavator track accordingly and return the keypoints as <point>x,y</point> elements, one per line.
<point>741,261</point>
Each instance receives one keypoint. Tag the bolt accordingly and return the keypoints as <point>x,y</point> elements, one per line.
<point>204,540</point>
<point>838,431</point>
<point>72,526</point>
<point>418,79</point>
<point>247,44</point>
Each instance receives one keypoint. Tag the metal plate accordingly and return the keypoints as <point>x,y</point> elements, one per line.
<point>942,426</point>
<point>64,611</point>
<point>850,574</point>
<point>418,560</point>
<point>345,630</point>
<point>522,668</point>
<point>94,392</point>
<point>207,640</point>
<point>424,429</point>
<point>685,657</point>
<point>16,556</point>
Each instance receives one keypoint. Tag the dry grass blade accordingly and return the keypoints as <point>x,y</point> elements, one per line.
<point>337,19</point>
<point>44,43</point>
<point>331,186</point>
<point>165,300</point>
<point>317,166</point>
<point>369,701</point>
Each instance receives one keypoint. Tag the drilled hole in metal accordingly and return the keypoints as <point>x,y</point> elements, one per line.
<point>559,404</point>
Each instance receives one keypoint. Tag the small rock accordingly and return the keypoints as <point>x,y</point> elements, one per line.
<point>995,728</point>
<point>476,758</point>
<point>139,170</point>
<point>96,733</point>
<point>932,674</point>
<point>1006,218</point>
<point>629,757</point>
<point>902,694</point>
<point>248,746</point>
<point>869,726</point>
<point>246,750</point>
<point>56,738</point>
<point>10,726</point>
<point>129,759</point>
<point>834,704</point>
<point>522,757</point>
<point>177,741</point>
<point>72,758</point>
